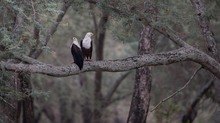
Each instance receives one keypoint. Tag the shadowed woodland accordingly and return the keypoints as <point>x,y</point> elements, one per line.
<point>152,62</point>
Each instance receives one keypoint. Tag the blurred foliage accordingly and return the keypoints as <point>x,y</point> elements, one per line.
<point>121,41</point>
<point>168,111</point>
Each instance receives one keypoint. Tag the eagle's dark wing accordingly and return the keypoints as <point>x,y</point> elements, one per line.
<point>90,55</point>
<point>77,56</point>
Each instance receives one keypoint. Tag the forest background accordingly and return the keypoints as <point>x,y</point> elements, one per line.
<point>144,51</point>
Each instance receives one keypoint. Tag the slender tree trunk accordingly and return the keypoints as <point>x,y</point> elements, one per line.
<point>86,111</point>
<point>97,114</point>
<point>86,106</point>
<point>65,107</point>
<point>141,95</point>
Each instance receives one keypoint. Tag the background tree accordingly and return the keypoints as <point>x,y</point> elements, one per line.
<point>39,29</point>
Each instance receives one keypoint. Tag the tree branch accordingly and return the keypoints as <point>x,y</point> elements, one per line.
<point>179,90</point>
<point>112,90</point>
<point>27,59</point>
<point>118,98</point>
<point>146,21</point>
<point>164,58</point>
<point>191,113</point>
<point>6,102</point>
<point>205,26</point>
<point>94,21</point>
<point>52,30</point>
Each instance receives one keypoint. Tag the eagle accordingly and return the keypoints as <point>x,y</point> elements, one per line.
<point>77,53</point>
<point>86,45</point>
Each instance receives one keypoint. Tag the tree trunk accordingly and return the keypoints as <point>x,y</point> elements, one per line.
<point>141,95</point>
<point>10,108</point>
<point>86,106</point>
<point>97,114</point>
<point>208,35</point>
<point>191,113</point>
<point>66,115</point>
<point>28,109</point>
<point>86,111</point>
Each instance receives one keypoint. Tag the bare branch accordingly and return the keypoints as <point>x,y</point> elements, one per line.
<point>52,30</point>
<point>115,86</point>
<point>28,59</point>
<point>145,20</point>
<point>118,98</point>
<point>164,58</point>
<point>191,112</point>
<point>179,90</point>
<point>7,102</point>
<point>171,35</point>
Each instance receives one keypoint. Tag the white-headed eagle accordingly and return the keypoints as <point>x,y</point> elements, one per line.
<point>77,53</point>
<point>86,45</point>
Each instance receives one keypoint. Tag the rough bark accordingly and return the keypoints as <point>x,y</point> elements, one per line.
<point>10,108</point>
<point>28,109</point>
<point>204,24</point>
<point>208,35</point>
<point>141,95</point>
<point>27,102</point>
<point>164,58</point>
<point>12,112</point>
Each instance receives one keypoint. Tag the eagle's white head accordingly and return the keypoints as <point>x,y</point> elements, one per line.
<point>89,34</point>
<point>86,43</point>
<point>75,41</point>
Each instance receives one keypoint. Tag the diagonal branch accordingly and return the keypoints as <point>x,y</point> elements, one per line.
<point>52,30</point>
<point>205,26</point>
<point>146,21</point>
<point>164,58</point>
<point>118,98</point>
<point>27,59</point>
<point>171,35</point>
<point>191,113</point>
<point>115,86</point>
<point>6,102</point>
<point>179,90</point>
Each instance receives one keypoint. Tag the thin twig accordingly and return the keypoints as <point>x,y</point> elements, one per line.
<point>179,90</point>
<point>6,102</point>
<point>34,11</point>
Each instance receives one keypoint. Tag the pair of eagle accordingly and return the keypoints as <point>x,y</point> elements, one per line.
<point>82,51</point>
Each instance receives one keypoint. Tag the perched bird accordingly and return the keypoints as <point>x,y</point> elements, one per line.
<point>77,53</point>
<point>86,45</point>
